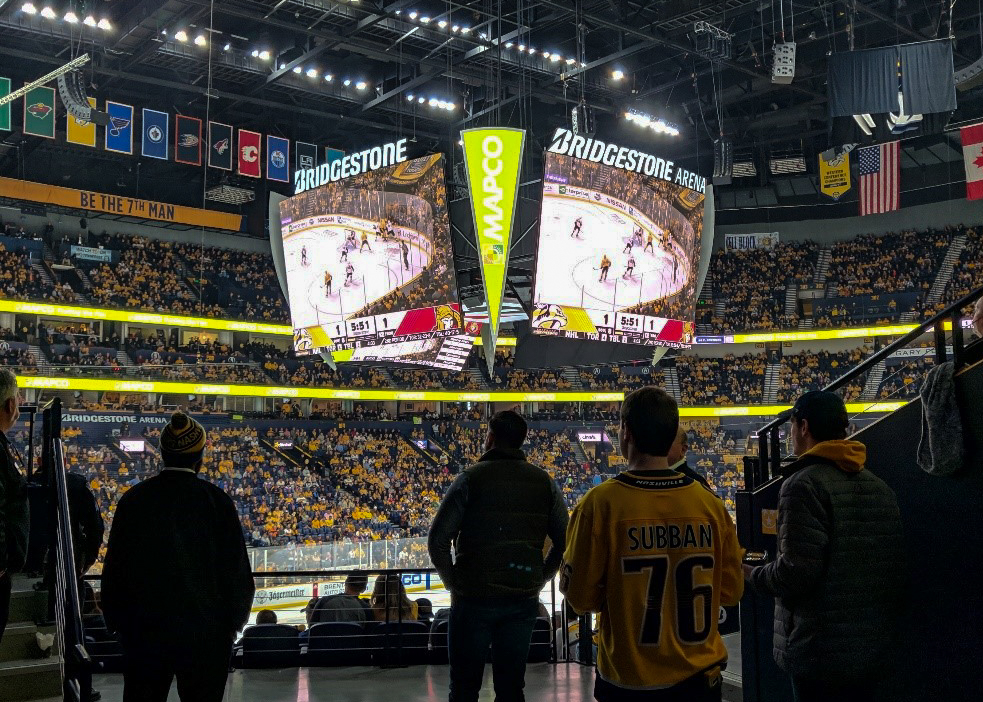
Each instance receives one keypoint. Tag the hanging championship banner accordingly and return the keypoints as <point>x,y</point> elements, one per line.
<point>834,172</point>
<point>5,110</point>
<point>79,132</point>
<point>306,156</point>
<point>39,112</point>
<point>278,158</point>
<point>187,140</point>
<point>155,128</point>
<point>493,158</point>
<point>220,146</point>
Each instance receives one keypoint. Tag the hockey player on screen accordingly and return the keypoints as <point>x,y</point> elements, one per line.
<point>303,256</point>
<point>344,253</point>
<point>327,283</point>
<point>605,267</point>
<point>349,272</point>
<point>628,245</point>
<point>365,243</point>
<point>675,269</point>
<point>577,226</point>
<point>350,239</point>
<point>649,244</point>
<point>636,236</point>
<point>629,267</point>
<point>406,254</point>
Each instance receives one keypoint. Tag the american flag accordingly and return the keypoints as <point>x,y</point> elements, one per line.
<point>880,178</point>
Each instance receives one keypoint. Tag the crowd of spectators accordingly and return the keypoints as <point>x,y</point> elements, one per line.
<point>904,381</point>
<point>731,380</point>
<point>810,370</point>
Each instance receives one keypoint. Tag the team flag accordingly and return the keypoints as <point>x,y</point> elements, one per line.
<point>220,146</point>
<point>187,140</point>
<point>79,132</point>
<point>880,178</point>
<point>39,112</point>
<point>155,127</point>
<point>306,155</point>
<point>278,158</point>
<point>119,131</point>
<point>250,150</point>
<point>5,110</point>
<point>332,155</point>
<point>972,137</point>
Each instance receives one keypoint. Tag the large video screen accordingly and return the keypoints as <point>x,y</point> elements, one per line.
<point>618,255</point>
<point>368,260</point>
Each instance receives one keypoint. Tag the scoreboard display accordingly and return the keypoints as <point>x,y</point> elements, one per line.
<point>369,264</point>
<point>617,257</point>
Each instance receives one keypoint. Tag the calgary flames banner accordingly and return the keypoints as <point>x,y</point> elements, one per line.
<point>250,150</point>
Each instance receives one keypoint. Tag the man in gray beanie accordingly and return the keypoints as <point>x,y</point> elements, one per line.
<point>176,583</point>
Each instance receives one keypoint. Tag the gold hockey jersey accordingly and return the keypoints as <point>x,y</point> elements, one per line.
<point>657,555</point>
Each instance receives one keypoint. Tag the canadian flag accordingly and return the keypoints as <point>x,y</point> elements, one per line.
<point>972,137</point>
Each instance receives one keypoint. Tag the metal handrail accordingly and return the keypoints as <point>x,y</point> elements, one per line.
<point>768,438</point>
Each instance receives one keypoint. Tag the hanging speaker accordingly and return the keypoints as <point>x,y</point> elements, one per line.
<point>72,90</point>
<point>970,77</point>
<point>723,158</point>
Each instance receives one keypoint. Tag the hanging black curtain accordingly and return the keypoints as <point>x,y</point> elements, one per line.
<point>927,77</point>
<point>863,82</point>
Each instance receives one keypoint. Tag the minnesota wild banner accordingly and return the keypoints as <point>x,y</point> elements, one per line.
<point>834,171</point>
<point>39,112</point>
<point>79,132</point>
<point>493,157</point>
<point>5,110</point>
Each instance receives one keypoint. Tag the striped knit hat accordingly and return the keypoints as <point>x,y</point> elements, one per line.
<point>182,443</point>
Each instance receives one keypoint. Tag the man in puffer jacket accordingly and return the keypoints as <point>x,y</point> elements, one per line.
<point>839,569</point>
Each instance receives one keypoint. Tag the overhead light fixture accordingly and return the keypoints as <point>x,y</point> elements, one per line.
<point>508,45</point>
<point>413,15</point>
<point>361,85</point>
<point>264,55</point>
<point>297,69</point>
<point>442,23</point>
<point>522,47</point>
<point>425,20</point>
<point>312,73</point>
<point>230,195</point>
<point>465,30</point>
<point>571,61</point>
<point>348,82</point>
<point>546,54</point>
<point>104,25</point>
<point>328,78</point>
<point>71,17</point>
<point>482,35</point>
<point>555,57</point>
<point>409,98</point>
<point>181,36</point>
<point>433,102</point>
<point>200,40</point>
<point>658,125</point>
<point>450,106</point>
<point>89,21</point>
<point>617,74</point>
<point>456,28</point>
<point>226,47</point>
<point>421,99</point>
<point>48,13</point>
<point>255,53</point>
<point>28,8</point>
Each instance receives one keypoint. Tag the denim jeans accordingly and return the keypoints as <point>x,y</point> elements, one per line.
<point>506,625</point>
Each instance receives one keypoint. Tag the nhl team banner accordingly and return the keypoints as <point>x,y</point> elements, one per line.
<point>220,146</point>
<point>493,158</point>
<point>834,172</point>
<point>119,131</point>
<point>39,112</point>
<point>277,158</point>
<point>306,155</point>
<point>187,140</point>
<point>155,126</point>
<point>5,110</point>
<point>332,155</point>
<point>79,132</point>
<point>250,144</point>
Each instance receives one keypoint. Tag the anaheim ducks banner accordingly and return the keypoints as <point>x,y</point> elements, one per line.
<point>493,158</point>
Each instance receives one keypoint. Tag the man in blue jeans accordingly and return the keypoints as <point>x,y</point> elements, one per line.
<point>497,514</point>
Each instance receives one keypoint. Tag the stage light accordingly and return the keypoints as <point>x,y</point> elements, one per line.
<point>522,47</point>
<point>89,21</point>
<point>421,99</point>
<point>181,36</point>
<point>71,17</point>
<point>28,8</point>
<point>554,57</point>
<point>312,73</point>
<point>571,61</point>
<point>297,69</point>
<point>546,54</point>
<point>456,28</point>
<point>328,78</point>
<point>361,85</point>
<point>617,74</point>
<point>450,107</point>
<point>413,15</point>
<point>200,40</point>
<point>465,30</point>
<point>484,36</point>
<point>442,23</point>
<point>48,13</point>
<point>409,98</point>
<point>347,82</point>
<point>264,55</point>
<point>255,53</point>
<point>433,102</point>
<point>425,20</point>
<point>508,45</point>
<point>226,47</point>
<point>104,25</point>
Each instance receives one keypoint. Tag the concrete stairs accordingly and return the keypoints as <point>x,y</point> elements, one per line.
<point>478,377</point>
<point>43,364</point>
<point>873,384</point>
<point>43,273</point>
<point>806,323</point>
<point>792,300</point>
<point>670,380</point>
<point>123,358</point>
<point>822,267</point>
<point>572,376</point>
<point>25,672</point>
<point>578,450</point>
<point>944,275</point>
<point>833,290</point>
<point>46,253</point>
<point>773,382</point>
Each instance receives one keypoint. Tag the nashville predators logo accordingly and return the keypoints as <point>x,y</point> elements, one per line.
<point>303,340</point>
<point>448,318</point>
<point>546,316</point>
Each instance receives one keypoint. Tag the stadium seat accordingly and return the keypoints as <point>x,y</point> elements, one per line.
<point>539,649</point>
<point>400,643</point>
<point>438,642</point>
<point>337,644</point>
<point>270,646</point>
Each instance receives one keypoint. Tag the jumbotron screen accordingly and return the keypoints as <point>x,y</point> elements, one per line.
<point>368,260</point>
<point>618,255</point>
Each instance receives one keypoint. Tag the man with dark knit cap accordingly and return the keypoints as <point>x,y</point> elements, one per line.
<point>176,583</point>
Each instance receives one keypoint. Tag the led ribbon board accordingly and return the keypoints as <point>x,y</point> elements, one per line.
<point>493,158</point>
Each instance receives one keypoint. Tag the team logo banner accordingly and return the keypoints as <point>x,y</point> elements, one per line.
<point>119,131</point>
<point>306,155</point>
<point>220,146</point>
<point>155,126</point>
<point>39,112</point>
<point>834,172</point>
<point>187,140</point>
<point>79,132</point>
<point>332,155</point>
<point>5,110</point>
<point>250,150</point>
<point>278,158</point>
<point>493,158</point>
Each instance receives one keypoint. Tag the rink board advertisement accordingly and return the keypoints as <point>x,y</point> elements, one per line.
<point>618,250</point>
<point>368,264</point>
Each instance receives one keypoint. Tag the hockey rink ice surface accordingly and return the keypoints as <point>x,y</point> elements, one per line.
<point>568,269</point>
<point>377,273</point>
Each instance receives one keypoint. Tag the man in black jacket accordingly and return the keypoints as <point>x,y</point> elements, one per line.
<point>839,569</point>
<point>176,583</point>
<point>14,515</point>
<point>497,514</point>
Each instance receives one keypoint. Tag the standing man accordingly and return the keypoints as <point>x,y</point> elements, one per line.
<point>176,584</point>
<point>978,317</point>
<point>657,554</point>
<point>365,243</point>
<point>497,514</point>
<point>577,226</point>
<point>344,606</point>
<point>15,516</point>
<point>629,268</point>
<point>837,577</point>
<point>406,254</point>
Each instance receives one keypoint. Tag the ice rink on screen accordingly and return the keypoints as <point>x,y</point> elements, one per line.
<point>568,268</point>
<point>377,272</point>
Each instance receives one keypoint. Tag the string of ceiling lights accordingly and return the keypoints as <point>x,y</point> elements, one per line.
<point>48,12</point>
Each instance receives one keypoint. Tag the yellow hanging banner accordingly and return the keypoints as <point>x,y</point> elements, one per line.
<point>79,132</point>
<point>834,173</point>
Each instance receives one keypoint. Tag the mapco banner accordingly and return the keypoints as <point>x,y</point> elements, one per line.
<point>117,205</point>
<point>493,158</point>
<point>834,172</point>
